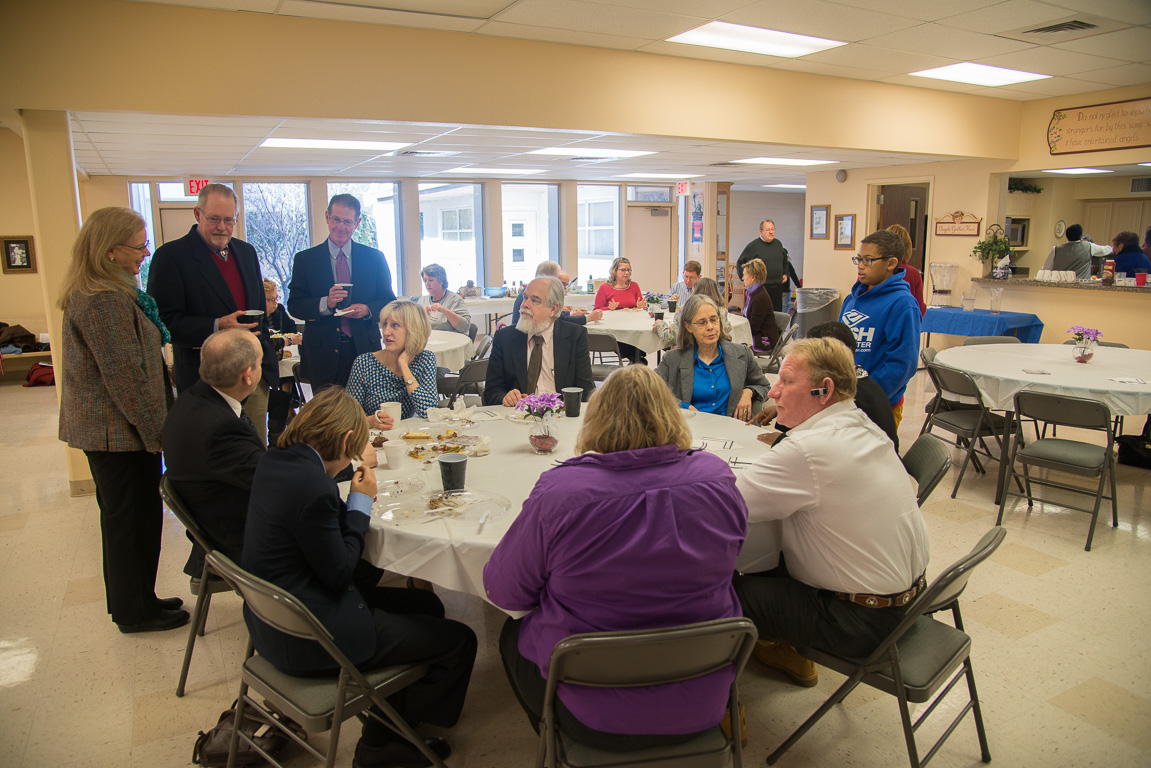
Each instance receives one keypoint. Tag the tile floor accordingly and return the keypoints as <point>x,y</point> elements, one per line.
<point>1060,639</point>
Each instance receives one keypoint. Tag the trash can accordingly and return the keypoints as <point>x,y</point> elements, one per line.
<point>815,306</point>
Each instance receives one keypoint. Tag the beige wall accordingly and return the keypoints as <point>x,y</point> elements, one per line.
<point>21,300</point>
<point>571,87</point>
<point>786,209</point>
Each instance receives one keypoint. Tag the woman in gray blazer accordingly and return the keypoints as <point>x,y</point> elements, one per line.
<point>709,373</point>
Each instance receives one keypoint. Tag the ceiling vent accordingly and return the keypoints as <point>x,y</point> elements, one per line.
<point>1063,30</point>
<point>1140,184</point>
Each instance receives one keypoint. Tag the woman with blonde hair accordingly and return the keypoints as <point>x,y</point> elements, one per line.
<point>113,400</point>
<point>613,539</point>
<point>403,371</point>
<point>912,275</point>
<point>619,292</point>
<point>302,537</point>
<point>757,307</point>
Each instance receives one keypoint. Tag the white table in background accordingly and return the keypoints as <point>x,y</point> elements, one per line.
<point>287,363</point>
<point>494,308</point>
<point>452,552</point>
<point>629,326</point>
<point>451,349</point>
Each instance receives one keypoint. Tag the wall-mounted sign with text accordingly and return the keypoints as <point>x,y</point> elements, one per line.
<point>1100,127</point>
<point>193,186</point>
<point>958,224</point>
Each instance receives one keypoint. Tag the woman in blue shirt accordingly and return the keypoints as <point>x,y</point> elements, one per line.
<point>708,372</point>
<point>403,371</point>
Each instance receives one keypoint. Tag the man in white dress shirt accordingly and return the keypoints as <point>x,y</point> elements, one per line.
<point>855,544</point>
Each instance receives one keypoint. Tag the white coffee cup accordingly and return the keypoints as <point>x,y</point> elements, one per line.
<point>396,453</point>
<point>395,410</point>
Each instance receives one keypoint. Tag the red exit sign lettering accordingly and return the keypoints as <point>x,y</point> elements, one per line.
<point>682,187</point>
<point>193,186</point>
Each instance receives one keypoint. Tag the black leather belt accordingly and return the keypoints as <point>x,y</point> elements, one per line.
<point>885,601</point>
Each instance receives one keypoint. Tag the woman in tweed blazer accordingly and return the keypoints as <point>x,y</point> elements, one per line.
<point>114,397</point>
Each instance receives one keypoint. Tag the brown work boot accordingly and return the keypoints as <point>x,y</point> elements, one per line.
<point>787,660</point>
<point>725,724</point>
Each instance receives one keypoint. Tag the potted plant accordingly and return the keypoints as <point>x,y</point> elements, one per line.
<point>992,250</point>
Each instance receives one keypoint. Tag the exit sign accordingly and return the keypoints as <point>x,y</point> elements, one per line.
<point>193,186</point>
<point>682,187</point>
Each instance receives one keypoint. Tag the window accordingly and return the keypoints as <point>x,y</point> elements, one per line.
<point>276,224</point>
<point>517,254</point>
<point>140,198</point>
<point>451,232</point>
<point>176,192</point>
<point>648,194</point>
<point>597,220</point>
<point>531,228</point>
<point>380,221</point>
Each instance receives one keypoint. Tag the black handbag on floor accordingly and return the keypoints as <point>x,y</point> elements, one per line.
<point>1135,450</point>
<point>211,748</point>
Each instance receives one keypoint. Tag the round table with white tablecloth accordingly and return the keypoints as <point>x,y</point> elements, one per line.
<point>634,326</point>
<point>451,349</point>
<point>494,308</point>
<point>452,552</point>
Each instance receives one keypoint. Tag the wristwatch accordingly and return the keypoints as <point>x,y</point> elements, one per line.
<point>409,382</point>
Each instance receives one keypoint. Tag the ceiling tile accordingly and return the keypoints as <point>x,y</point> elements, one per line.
<point>1057,86</point>
<point>831,70</point>
<point>704,9</point>
<point>1003,17</point>
<point>1128,74</point>
<point>373,16</point>
<point>684,51</point>
<point>938,40</point>
<point>1049,61</point>
<point>571,37</point>
<point>1129,11</point>
<point>873,58</point>
<point>597,17</point>
<point>1131,44</point>
<point>819,19</point>
<point>924,10</point>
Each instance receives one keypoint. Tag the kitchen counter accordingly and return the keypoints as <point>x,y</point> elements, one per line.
<point>1094,285</point>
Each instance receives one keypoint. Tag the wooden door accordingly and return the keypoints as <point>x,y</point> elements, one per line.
<point>648,245</point>
<point>906,204</point>
<point>1097,221</point>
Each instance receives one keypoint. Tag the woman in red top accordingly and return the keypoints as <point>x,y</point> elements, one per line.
<point>619,292</point>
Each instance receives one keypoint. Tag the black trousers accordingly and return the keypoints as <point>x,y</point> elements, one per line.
<point>529,687</point>
<point>787,610</point>
<point>131,522</point>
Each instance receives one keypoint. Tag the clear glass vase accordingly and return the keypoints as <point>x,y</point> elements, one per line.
<point>1083,350</point>
<point>541,434</point>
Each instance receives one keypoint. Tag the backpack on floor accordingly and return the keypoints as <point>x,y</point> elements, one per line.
<point>1135,450</point>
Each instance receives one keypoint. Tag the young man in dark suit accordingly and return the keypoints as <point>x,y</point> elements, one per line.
<point>203,283</point>
<point>560,349</point>
<point>331,343</point>
<point>210,449</point>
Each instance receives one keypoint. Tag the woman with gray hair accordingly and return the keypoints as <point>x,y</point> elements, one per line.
<point>667,329</point>
<point>708,372</point>
<point>446,310</point>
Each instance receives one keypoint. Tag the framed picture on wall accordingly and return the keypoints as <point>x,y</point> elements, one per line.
<point>19,256</point>
<point>820,215</point>
<point>845,232</point>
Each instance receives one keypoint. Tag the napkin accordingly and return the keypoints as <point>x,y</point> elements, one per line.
<point>458,412</point>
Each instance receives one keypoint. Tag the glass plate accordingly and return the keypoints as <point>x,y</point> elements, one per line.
<point>464,505</point>
<point>400,486</point>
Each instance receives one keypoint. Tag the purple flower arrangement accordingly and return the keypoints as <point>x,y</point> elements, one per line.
<point>541,405</point>
<point>1081,333</point>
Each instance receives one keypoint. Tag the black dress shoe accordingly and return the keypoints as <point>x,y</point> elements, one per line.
<point>169,603</point>
<point>165,621</point>
<point>399,754</point>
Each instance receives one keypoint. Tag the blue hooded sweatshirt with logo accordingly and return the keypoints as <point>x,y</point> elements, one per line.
<point>885,320</point>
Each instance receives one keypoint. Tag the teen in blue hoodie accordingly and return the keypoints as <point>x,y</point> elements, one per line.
<point>884,316</point>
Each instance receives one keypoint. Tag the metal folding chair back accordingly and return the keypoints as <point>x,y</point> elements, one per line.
<point>483,347</point>
<point>771,365</point>
<point>972,341</point>
<point>782,321</point>
<point>599,345</point>
<point>470,380</point>
<point>317,703</point>
<point>969,423</point>
<point>646,658</point>
<point>207,585</point>
<point>1062,455</point>
<point>927,461</point>
<point>920,657</point>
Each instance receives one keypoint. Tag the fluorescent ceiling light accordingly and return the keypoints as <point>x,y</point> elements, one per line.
<point>1076,171</point>
<point>496,171</point>
<point>659,176</point>
<point>786,186</point>
<point>784,161</point>
<point>382,146</point>
<point>737,37</point>
<point>589,152</point>
<point>979,74</point>
<point>1144,163</point>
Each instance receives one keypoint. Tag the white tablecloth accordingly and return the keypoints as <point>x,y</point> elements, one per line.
<point>451,349</point>
<point>998,370</point>
<point>635,327</point>
<point>287,363</point>
<point>452,553</point>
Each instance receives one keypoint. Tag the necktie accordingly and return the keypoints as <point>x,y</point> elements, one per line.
<point>244,417</point>
<point>224,254</point>
<point>535,363</point>
<point>343,275</point>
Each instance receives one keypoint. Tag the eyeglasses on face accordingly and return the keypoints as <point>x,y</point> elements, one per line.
<point>139,248</point>
<point>868,261</point>
<point>345,222</point>
<point>707,321</point>
<point>216,221</point>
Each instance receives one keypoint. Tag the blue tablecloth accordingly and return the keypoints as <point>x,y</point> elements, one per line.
<point>981,322</point>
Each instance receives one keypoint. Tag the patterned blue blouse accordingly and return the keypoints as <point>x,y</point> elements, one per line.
<point>371,383</point>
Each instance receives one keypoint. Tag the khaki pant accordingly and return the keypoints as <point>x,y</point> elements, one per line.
<point>256,406</point>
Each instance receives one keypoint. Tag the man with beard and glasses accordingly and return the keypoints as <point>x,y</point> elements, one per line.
<point>538,354</point>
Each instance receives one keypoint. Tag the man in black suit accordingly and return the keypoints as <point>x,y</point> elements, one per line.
<point>204,282</point>
<point>559,356</point>
<point>331,343</point>
<point>210,448</point>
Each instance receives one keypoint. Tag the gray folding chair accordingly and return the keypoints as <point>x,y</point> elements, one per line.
<point>1118,419</point>
<point>972,341</point>
<point>210,582</point>
<point>1072,456</point>
<point>298,382</point>
<point>782,320</point>
<point>603,349</point>
<point>644,658</point>
<point>469,381</point>
<point>926,461</point>
<point>318,704</point>
<point>483,347</point>
<point>918,658</point>
<point>775,359</point>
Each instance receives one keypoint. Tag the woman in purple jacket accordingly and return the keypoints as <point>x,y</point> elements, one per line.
<point>634,532</point>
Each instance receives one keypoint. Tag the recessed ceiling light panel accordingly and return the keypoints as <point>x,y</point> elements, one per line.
<point>659,176</point>
<point>368,146</point>
<point>608,154</point>
<point>979,74</point>
<point>769,42</point>
<point>784,161</point>
<point>1076,171</point>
